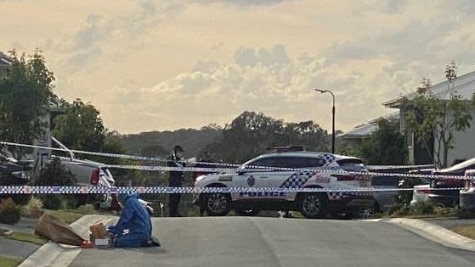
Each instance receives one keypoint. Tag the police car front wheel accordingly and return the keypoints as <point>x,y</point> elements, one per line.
<point>217,204</point>
<point>313,205</point>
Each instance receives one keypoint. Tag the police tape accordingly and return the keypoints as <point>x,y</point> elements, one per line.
<point>214,164</point>
<point>113,155</point>
<point>363,175</point>
<point>26,189</point>
<point>232,168</point>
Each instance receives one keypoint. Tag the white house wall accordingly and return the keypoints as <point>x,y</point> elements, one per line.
<point>464,146</point>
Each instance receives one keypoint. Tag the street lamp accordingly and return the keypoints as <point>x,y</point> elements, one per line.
<point>333,116</point>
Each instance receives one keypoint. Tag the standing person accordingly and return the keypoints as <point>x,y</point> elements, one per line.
<point>175,180</point>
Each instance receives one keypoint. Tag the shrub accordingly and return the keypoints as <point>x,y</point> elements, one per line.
<point>33,207</point>
<point>55,174</point>
<point>423,208</point>
<point>10,179</point>
<point>10,213</point>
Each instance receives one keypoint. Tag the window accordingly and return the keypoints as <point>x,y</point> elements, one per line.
<point>299,162</point>
<point>352,165</point>
<point>263,162</point>
<point>287,162</point>
<point>392,181</point>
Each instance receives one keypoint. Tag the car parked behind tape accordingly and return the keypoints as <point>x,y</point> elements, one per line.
<point>282,173</point>
<point>385,191</point>
<point>444,188</point>
<point>467,193</point>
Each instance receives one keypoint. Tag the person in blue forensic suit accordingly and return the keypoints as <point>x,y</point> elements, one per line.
<point>134,228</point>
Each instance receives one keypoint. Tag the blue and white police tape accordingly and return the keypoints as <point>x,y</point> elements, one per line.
<point>214,164</point>
<point>113,155</point>
<point>25,189</point>
<point>364,175</point>
<point>225,167</point>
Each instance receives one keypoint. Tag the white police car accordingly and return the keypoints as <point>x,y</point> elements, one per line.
<point>273,180</point>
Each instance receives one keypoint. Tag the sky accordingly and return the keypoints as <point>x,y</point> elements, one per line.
<point>156,65</point>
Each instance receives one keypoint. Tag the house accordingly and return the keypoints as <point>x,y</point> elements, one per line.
<point>463,141</point>
<point>355,136</point>
<point>5,66</point>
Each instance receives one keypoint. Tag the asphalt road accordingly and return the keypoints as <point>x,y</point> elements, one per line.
<point>255,241</point>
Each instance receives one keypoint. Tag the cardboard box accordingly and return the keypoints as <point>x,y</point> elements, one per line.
<point>105,242</point>
<point>98,230</point>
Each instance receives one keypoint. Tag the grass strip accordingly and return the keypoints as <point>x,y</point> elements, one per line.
<point>26,237</point>
<point>9,262</point>
<point>465,230</point>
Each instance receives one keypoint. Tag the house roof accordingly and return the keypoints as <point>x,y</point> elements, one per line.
<point>463,85</point>
<point>368,127</point>
<point>5,61</point>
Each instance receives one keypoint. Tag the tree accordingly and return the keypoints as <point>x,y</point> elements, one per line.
<point>385,146</point>
<point>24,97</point>
<point>251,134</point>
<point>79,127</point>
<point>434,119</point>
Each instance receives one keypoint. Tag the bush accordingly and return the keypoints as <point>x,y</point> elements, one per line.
<point>9,179</point>
<point>423,208</point>
<point>34,206</point>
<point>10,213</point>
<point>56,202</point>
<point>55,174</point>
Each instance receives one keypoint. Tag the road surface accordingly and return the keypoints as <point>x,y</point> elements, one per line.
<point>257,241</point>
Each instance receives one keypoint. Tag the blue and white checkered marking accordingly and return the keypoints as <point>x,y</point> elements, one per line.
<point>297,179</point>
<point>329,158</point>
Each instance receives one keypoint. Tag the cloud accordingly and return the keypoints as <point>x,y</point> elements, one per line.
<point>128,29</point>
<point>391,6</point>
<point>85,45</point>
<point>182,63</point>
<point>245,56</point>
<point>260,81</point>
<point>242,2</point>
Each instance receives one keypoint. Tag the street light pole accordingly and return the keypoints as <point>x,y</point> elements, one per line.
<point>333,115</point>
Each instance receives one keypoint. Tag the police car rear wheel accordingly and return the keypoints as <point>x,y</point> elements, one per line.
<point>217,204</point>
<point>313,205</point>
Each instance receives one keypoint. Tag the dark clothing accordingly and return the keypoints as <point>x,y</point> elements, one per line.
<point>134,228</point>
<point>176,177</point>
<point>174,180</point>
<point>173,203</point>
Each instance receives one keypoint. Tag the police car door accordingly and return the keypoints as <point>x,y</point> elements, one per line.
<point>254,178</point>
<point>293,172</point>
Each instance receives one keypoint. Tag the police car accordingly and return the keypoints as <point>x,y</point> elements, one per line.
<point>313,183</point>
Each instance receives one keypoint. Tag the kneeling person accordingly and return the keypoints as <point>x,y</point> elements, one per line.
<point>134,228</point>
